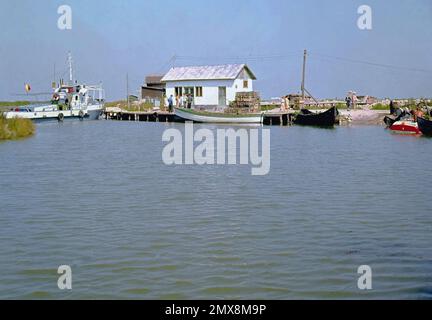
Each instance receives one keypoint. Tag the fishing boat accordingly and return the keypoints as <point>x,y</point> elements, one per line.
<point>425,126</point>
<point>324,119</point>
<point>217,117</point>
<point>400,115</point>
<point>405,127</point>
<point>69,101</point>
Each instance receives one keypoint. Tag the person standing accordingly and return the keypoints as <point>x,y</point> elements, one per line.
<point>181,101</point>
<point>418,113</point>
<point>189,101</point>
<point>170,103</point>
<point>348,103</point>
<point>392,107</point>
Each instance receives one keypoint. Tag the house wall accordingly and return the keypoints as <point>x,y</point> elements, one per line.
<point>150,93</point>
<point>210,89</point>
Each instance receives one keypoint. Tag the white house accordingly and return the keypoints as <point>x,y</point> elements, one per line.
<point>209,85</point>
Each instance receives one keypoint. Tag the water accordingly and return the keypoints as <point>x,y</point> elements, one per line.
<point>96,196</point>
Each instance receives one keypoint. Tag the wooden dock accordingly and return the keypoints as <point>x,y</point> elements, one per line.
<point>269,119</point>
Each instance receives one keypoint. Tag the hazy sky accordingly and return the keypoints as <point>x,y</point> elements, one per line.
<point>110,38</point>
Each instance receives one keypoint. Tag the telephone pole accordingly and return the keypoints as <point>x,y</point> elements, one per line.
<point>303,75</point>
<point>127,90</point>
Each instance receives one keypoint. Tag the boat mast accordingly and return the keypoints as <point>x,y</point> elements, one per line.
<point>70,68</point>
<point>54,78</point>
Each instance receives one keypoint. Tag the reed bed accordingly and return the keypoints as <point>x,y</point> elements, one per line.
<point>12,129</point>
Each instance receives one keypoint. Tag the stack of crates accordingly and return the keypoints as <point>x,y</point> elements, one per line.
<point>245,102</point>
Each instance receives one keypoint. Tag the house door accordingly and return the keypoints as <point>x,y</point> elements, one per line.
<point>189,91</point>
<point>222,96</point>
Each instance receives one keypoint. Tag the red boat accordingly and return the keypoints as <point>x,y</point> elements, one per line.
<point>405,127</point>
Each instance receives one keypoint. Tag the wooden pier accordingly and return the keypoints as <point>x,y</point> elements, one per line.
<point>270,119</point>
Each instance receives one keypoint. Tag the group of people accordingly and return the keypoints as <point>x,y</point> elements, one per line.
<point>183,101</point>
<point>407,113</point>
<point>350,102</point>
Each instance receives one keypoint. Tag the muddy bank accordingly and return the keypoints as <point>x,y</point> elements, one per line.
<point>364,117</point>
<point>357,116</point>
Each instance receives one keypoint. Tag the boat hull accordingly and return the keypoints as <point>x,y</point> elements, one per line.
<point>323,119</point>
<point>207,118</point>
<point>425,126</point>
<point>389,121</point>
<point>91,114</point>
<point>405,127</point>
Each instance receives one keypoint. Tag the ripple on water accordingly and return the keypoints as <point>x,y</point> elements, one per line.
<point>132,227</point>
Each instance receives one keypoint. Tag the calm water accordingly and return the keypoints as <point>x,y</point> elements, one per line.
<point>96,196</point>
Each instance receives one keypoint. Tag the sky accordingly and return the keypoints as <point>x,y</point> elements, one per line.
<point>112,38</point>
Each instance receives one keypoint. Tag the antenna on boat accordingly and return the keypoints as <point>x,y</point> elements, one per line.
<point>70,67</point>
<point>54,77</point>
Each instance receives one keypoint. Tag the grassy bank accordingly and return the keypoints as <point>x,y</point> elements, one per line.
<point>380,106</point>
<point>7,105</point>
<point>132,106</point>
<point>11,129</point>
<point>269,107</point>
<point>14,103</point>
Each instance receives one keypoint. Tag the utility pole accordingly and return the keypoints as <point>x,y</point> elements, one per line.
<point>303,75</point>
<point>127,90</point>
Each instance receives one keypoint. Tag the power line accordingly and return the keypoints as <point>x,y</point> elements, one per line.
<point>290,54</point>
<point>375,64</point>
<point>286,55</point>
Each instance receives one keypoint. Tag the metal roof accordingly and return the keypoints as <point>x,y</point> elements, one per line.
<point>153,79</point>
<point>219,72</point>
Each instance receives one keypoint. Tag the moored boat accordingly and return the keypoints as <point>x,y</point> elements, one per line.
<point>405,127</point>
<point>425,126</point>
<point>69,101</point>
<point>324,119</point>
<point>217,117</point>
<point>397,116</point>
<point>49,112</point>
<point>389,120</point>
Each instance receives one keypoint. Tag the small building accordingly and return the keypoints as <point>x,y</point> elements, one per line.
<point>153,89</point>
<point>366,100</point>
<point>209,85</point>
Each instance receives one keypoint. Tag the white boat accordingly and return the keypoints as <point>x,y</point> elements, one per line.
<point>217,117</point>
<point>69,101</point>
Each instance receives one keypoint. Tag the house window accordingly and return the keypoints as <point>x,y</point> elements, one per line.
<point>178,91</point>
<point>245,84</point>
<point>198,91</point>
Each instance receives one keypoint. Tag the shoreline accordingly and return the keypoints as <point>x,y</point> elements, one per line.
<point>365,117</point>
<point>354,116</point>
